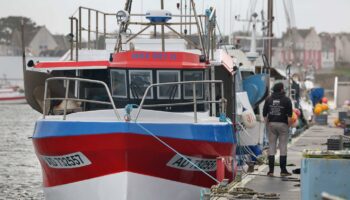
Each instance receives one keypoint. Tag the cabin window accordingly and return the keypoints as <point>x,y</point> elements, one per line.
<point>118,83</point>
<point>193,76</point>
<point>168,91</point>
<point>139,80</point>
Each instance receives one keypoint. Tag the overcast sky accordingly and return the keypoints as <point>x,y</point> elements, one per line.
<point>324,15</point>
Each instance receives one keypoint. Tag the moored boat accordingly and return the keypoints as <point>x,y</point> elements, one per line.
<point>140,125</point>
<point>12,95</point>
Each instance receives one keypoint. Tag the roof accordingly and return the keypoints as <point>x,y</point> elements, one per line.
<point>151,59</point>
<point>302,32</point>
<point>28,37</point>
<point>62,42</point>
<point>327,41</point>
<point>134,60</point>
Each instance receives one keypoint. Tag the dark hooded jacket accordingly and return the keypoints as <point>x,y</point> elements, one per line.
<point>278,108</point>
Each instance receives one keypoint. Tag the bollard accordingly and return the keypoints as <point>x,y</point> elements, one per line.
<point>220,169</point>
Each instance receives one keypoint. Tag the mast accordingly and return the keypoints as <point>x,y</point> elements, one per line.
<point>23,47</point>
<point>270,18</point>
<point>163,41</point>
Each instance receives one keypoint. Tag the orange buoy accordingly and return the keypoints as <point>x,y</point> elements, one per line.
<point>318,110</point>
<point>294,117</point>
<point>324,107</point>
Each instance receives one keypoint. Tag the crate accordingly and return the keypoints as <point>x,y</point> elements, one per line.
<point>321,119</point>
<point>342,116</point>
<point>347,131</point>
<point>333,143</point>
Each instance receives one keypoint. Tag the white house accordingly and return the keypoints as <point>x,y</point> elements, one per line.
<point>342,46</point>
<point>43,40</point>
<point>328,51</point>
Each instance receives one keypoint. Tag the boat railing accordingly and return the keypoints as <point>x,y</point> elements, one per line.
<point>91,24</point>
<point>222,101</point>
<point>66,98</point>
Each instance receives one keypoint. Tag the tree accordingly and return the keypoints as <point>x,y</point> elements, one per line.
<point>9,25</point>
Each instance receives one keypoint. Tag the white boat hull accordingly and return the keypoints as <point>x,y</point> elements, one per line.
<point>124,186</point>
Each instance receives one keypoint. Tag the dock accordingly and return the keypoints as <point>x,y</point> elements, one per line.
<point>314,138</point>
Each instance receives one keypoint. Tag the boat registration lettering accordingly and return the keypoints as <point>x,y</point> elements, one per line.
<point>72,160</point>
<point>181,163</point>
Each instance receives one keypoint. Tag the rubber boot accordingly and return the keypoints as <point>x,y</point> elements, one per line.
<point>283,164</point>
<point>271,165</point>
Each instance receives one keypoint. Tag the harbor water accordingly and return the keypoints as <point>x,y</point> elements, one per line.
<point>20,172</point>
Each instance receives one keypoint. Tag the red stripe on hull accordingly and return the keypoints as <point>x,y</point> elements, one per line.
<point>114,153</point>
<point>12,98</point>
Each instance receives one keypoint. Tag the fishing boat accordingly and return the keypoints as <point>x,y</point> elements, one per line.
<point>11,94</point>
<point>137,124</point>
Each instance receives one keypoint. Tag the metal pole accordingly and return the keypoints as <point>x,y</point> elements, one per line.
<point>268,50</point>
<point>77,39</point>
<point>194,102</point>
<point>80,28</point>
<point>208,37</point>
<point>96,42</point>
<point>223,108</point>
<point>181,17</point>
<point>72,38</point>
<point>213,36</point>
<point>163,41</point>
<point>185,15</point>
<point>234,102</point>
<point>104,26</point>
<point>66,100</point>
<point>198,27</point>
<point>45,96</point>
<point>89,28</point>
<point>23,56</point>
<point>190,18</point>
<point>212,88</point>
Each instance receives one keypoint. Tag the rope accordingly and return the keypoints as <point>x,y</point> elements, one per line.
<point>175,151</point>
<point>221,36</point>
<point>242,128</point>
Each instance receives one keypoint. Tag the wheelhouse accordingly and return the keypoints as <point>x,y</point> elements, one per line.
<point>128,74</point>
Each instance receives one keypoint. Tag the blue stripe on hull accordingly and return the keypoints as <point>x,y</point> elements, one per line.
<point>201,132</point>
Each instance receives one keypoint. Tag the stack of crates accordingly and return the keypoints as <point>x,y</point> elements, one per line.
<point>321,119</point>
<point>344,118</point>
<point>333,143</point>
<point>347,127</point>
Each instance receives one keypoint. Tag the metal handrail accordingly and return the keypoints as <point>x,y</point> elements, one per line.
<point>194,102</point>
<point>103,16</point>
<point>66,98</point>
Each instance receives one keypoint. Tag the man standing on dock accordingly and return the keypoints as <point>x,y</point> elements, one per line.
<point>277,113</point>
